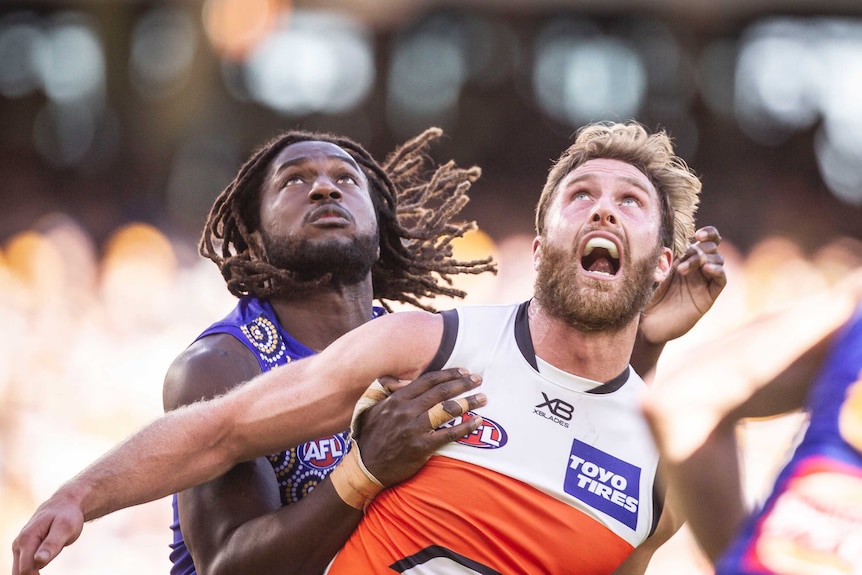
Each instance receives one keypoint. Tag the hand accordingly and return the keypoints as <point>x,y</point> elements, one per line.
<point>58,522</point>
<point>688,292</point>
<point>397,434</point>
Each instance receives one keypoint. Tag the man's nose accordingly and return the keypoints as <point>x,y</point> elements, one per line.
<point>604,212</point>
<point>324,189</point>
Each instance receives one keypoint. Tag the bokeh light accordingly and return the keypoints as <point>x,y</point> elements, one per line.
<point>70,60</point>
<point>311,62</point>
<point>163,46</point>
<point>793,73</point>
<point>776,77</point>
<point>20,38</point>
<point>586,77</point>
<point>428,71</point>
<point>235,26</point>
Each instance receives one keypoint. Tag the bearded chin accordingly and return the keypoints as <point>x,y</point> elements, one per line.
<point>587,304</point>
<point>347,264</point>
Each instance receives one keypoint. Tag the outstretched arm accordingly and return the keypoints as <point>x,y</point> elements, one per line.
<point>201,441</point>
<point>682,299</point>
<point>762,368</point>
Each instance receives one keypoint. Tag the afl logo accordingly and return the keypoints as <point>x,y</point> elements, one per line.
<point>323,453</point>
<point>490,434</point>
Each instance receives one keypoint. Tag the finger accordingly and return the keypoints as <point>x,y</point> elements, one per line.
<point>446,390</point>
<point>715,274</point>
<point>60,534</point>
<point>23,549</point>
<point>42,557</point>
<point>695,256</point>
<point>707,247</point>
<point>452,433</point>
<point>392,384</point>
<point>698,255</point>
<point>431,380</point>
<point>16,569</point>
<point>22,557</point>
<point>447,410</point>
<point>708,233</point>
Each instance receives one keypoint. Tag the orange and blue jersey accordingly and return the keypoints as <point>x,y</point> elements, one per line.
<point>560,477</point>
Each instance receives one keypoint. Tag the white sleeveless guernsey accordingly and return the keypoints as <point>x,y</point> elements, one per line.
<point>559,478</point>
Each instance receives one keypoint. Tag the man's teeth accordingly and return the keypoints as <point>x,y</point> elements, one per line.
<point>602,243</point>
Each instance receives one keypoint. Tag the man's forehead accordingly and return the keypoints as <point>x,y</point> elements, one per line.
<point>604,168</point>
<point>313,150</point>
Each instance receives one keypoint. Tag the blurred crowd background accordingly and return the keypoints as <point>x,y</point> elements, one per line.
<point>121,121</point>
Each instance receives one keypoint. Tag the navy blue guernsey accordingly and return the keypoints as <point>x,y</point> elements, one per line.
<point>298,470</point>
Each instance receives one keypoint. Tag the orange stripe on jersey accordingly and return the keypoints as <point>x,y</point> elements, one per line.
<point>453,512</point>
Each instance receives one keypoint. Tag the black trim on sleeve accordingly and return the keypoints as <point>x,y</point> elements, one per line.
<point>447,342</point>
<point>523,337</point>
<point>659,491</point>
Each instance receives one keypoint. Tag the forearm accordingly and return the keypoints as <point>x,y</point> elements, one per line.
<point>301,538</point>
<point>708,490</point>
<point>177,451</point>
<point>199,442</point>
<point>282,409</point>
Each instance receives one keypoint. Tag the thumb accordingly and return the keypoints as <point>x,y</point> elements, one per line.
<point>60,534</point>
<point>42,557</point>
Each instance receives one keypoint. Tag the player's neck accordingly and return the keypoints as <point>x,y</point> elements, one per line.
<point>320,317</point>
<point>599,356</point>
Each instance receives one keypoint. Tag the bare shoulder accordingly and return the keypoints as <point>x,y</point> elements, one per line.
<point>209,367</point>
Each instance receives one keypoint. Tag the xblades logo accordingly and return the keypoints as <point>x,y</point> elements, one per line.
<point>558,411</point>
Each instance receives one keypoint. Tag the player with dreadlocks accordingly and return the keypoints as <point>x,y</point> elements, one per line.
<point>415,240</point>
<point>362,231</point>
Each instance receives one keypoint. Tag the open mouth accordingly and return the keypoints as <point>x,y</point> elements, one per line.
<point>601,256</point>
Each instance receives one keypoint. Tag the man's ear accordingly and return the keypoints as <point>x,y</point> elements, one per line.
<point>664,265</point>
<point>537,252</point>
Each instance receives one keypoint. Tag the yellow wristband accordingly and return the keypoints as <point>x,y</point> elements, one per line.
<point>353,482</point>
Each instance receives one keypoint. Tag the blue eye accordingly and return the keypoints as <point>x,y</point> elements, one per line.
<point>630,201</point>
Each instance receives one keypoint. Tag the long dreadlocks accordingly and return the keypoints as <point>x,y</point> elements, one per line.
<point>414,202</point>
